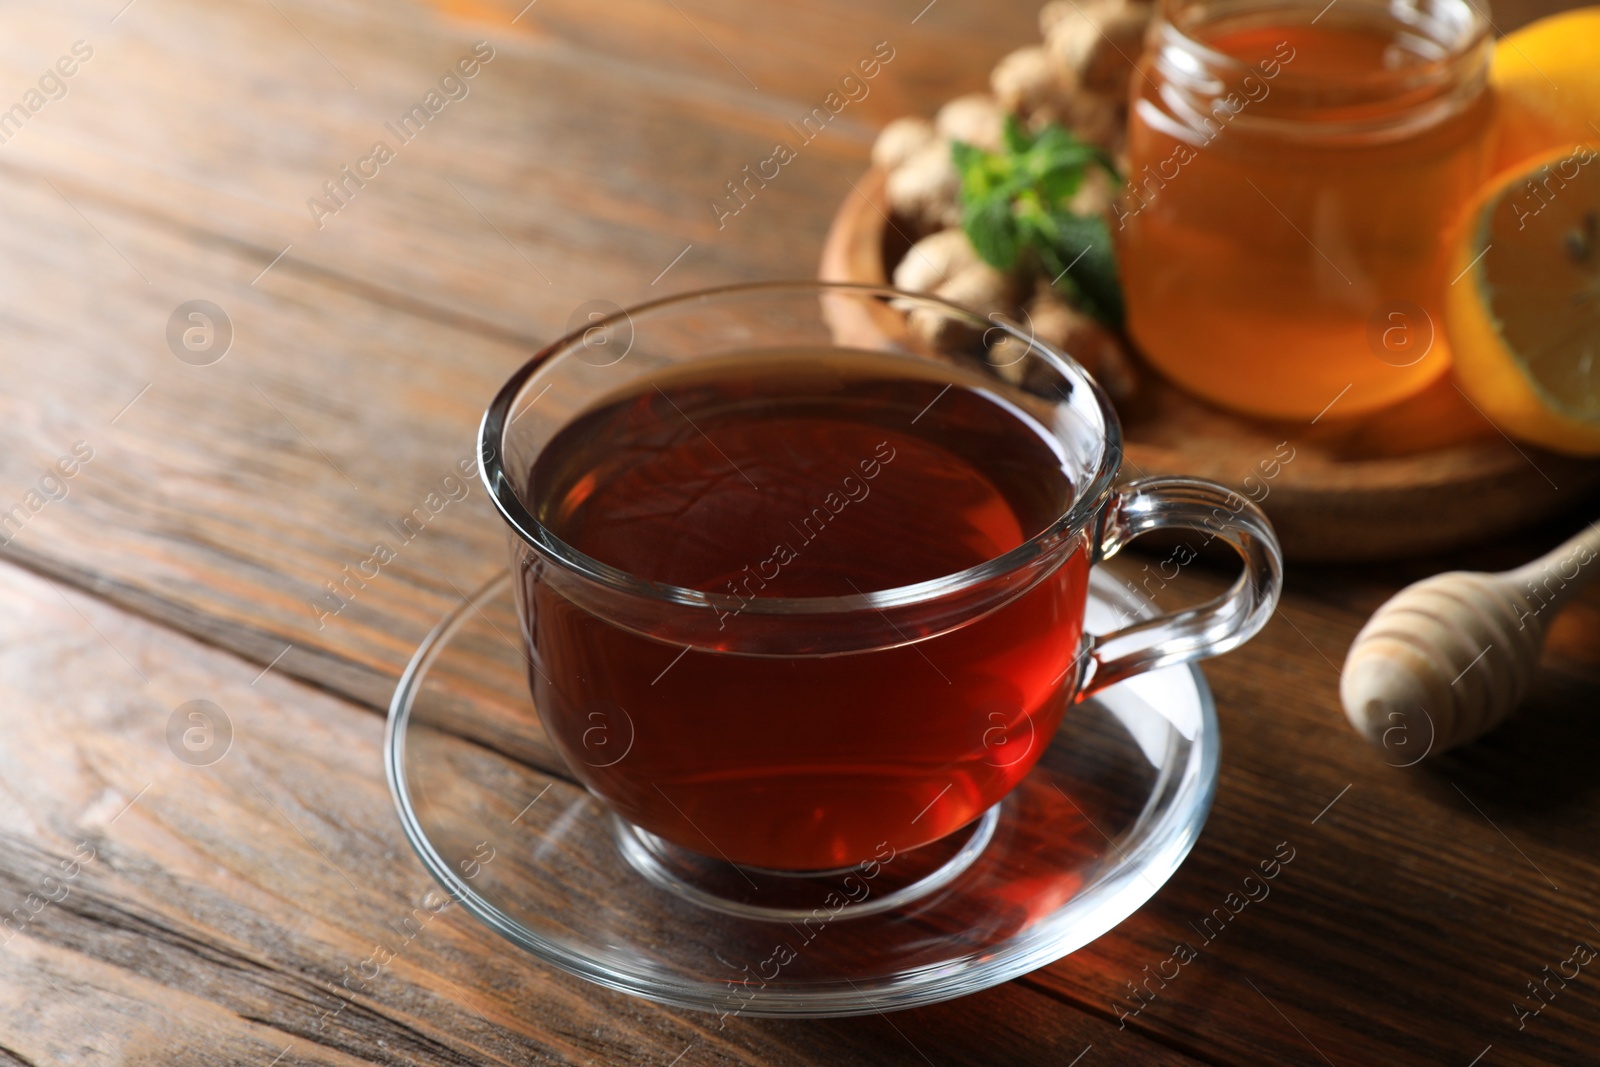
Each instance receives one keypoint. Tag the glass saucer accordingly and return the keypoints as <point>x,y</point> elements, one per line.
<point>1111,809</point>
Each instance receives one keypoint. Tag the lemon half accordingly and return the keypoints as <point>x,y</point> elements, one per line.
<point>1523,314</point>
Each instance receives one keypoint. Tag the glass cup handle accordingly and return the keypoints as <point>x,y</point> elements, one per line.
<point>1208,629</point>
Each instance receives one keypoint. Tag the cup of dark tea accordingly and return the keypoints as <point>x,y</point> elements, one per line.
<point>802,568</point>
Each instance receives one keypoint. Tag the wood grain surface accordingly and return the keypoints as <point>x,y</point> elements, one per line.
<point>190,556</point>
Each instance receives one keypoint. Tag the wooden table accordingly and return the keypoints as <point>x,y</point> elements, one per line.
<point>167,913</point>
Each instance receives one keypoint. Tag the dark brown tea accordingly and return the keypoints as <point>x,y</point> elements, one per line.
<point>824,473</point>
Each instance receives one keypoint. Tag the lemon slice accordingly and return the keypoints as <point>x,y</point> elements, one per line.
<point>1523,314</point>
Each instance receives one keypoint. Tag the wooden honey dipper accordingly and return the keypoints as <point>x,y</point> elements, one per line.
<point>1459,648</point>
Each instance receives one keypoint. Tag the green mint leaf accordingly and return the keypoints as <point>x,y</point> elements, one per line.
<point>1081,256</point>
<point>1053,138</point>
<point>1016,201</point>
<point>1075,158</point>
<point>969,159</point>
<point>1015,138</point>
<point>1057,186</point>
<point>993,231</point>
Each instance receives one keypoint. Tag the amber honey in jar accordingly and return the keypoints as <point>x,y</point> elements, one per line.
<point>1294,169</point>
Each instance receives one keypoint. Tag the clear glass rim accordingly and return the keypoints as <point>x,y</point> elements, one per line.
<point>1452,80</point>
<point>1169,29</point>
<point>1087,501</point>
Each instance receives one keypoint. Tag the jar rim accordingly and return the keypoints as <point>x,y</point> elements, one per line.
<point>1442,85</point>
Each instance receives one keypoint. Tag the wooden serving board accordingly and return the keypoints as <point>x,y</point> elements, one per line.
<point>1429,474</point>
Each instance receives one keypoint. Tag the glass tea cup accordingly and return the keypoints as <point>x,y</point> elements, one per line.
<point>802,571</point>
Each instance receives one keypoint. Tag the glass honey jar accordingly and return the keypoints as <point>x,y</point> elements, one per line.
<point>1294,170</point>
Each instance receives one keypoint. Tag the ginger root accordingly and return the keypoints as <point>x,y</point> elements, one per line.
<point>975,118</point>
<point>1097,349</point>
<point>980,288</point>
<point>934,260</point>
<point>900,140</point>
<point>926,188</point>
<point>1027,80</point>
<point>1096,43</point>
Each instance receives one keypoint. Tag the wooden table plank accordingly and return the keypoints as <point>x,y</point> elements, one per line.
<point>206,914</point>
<point>226,497</point>
<point>628,122</point>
